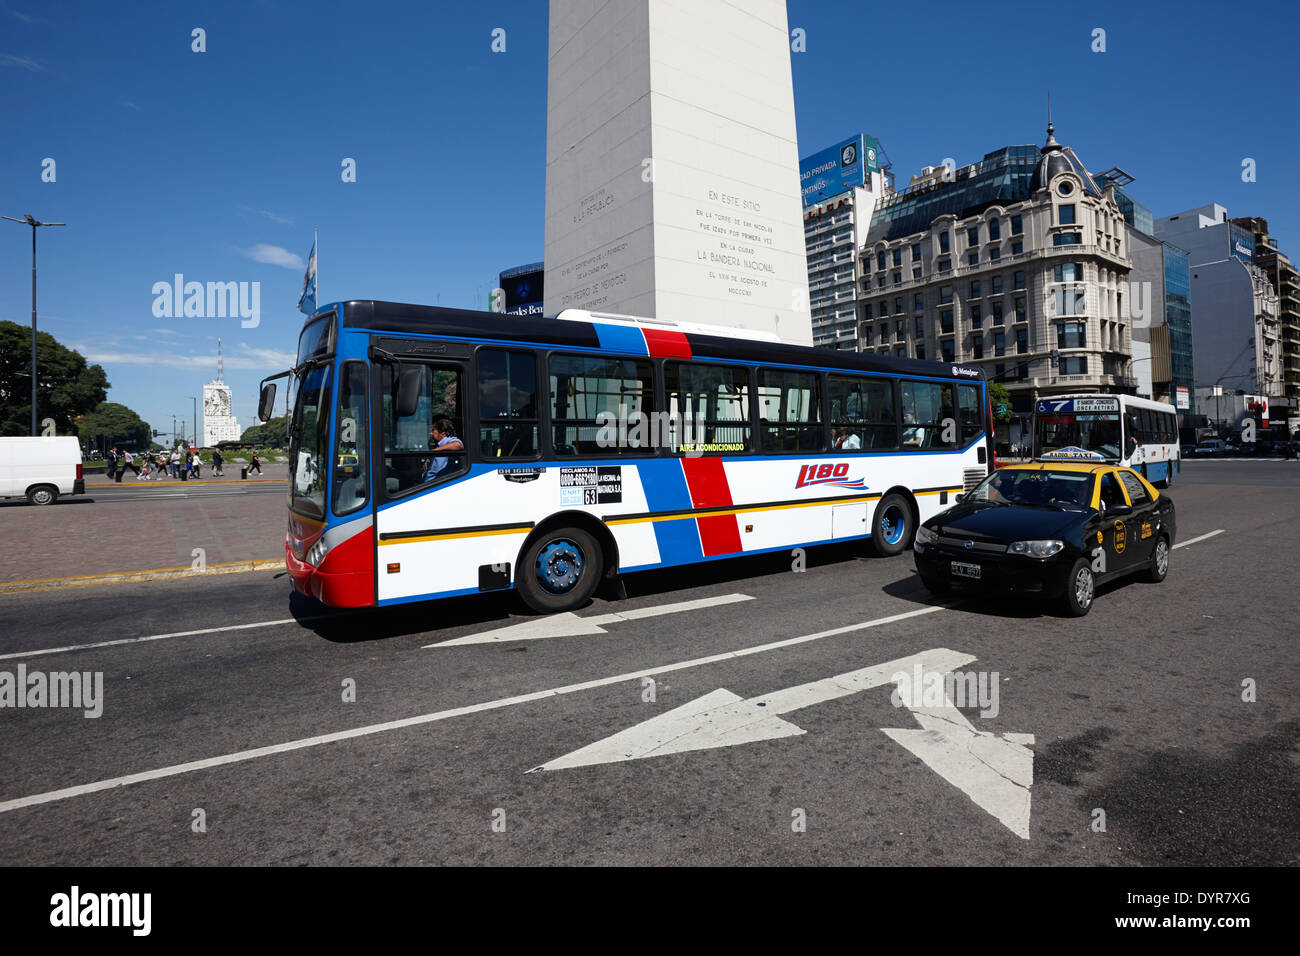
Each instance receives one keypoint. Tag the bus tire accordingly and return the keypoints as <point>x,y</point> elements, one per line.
<point>559,570</point>
<point>892,526</point>
<point>42,494</point>
<point>1169,475</point>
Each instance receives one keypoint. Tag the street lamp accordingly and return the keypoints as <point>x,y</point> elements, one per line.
<point>34,223</point>
<point>196,415</point>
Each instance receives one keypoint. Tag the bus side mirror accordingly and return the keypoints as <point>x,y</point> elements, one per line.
<point>409,378</point>
<point>266,401</point>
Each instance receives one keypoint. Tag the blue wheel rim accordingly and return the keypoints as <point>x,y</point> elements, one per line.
<point>892,524</point>
<point>560,565</point>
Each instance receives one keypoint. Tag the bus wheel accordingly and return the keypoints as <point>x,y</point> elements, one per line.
<point>891,526</point>
<point>560,570</point>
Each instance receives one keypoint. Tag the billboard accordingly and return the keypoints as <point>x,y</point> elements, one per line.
<point>523,289</point>
<point>1243,243</point>
<point>1184,399</point>
<point>838,168</point>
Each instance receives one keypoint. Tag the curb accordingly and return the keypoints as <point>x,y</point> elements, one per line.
<point>199,481</point>
<point>126,577</point>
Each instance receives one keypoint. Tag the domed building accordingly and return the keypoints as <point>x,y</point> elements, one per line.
<point>1018,264</point>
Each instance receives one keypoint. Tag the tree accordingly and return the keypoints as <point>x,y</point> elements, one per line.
<point>66,385</point>
<point>113,424</point>
<point>274,432</point>
<point>999,395</point>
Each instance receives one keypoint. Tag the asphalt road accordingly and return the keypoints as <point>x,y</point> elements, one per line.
<point>1136,710</point>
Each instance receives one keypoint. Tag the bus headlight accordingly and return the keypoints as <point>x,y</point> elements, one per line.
<point>317,553</point>
<point>1036,549</point>
<point>924,536</point>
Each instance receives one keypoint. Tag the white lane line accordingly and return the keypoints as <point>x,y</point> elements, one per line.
<point>52,796</point>
<point>569,624</point>
<point>150,637</point>
<point>1183,544</point>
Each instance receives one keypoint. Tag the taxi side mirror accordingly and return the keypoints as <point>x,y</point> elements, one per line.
<point>959,497</point>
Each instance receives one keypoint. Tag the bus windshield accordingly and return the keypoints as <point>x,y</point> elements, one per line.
<point>309,442</point>
<point>1095,432</point>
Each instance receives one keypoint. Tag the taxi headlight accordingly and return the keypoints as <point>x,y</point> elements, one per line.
<point>925,536</point>
<point>1036,549</point>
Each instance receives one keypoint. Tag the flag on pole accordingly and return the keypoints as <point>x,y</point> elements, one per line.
<point>307,301</point>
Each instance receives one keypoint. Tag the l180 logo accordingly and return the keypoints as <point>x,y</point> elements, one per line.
<point>828,474</point>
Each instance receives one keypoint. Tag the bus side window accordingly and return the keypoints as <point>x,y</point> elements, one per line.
<point>507,404</point>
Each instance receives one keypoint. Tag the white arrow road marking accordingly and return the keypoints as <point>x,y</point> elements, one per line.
<point>995,770</point>
<point>570,625</point>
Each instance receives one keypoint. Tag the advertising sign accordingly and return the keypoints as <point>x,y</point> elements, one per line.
<point>838,168</point>
<point>523,289</point>
<point>1183,396</point>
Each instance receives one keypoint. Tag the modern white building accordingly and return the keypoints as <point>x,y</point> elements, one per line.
<point>1238,335</point>
<point>219,422</point>
<point>837,212</point>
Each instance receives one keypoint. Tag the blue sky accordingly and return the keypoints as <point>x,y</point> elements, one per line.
<point>220,165</point>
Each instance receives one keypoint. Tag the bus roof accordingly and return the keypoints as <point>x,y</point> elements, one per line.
<point>626,335</point>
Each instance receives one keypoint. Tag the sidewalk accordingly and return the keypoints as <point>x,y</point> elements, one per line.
<point>274,471</point>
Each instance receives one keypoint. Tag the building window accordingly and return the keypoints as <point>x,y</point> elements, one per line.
<point>973,236</point>
<point>999,343</point>
<point>918,302</point>
<point>1018,280</point>
<point>897,277</point>
<point>1020,309</point>
<point>1071,302</point>
<point>869,315</point>
<point>999,372</point>
<point>900,351</point>
<point>919,325</point>
<point>974,288</point>
<point>945,294</point>
<point>1071,335</point>
<point>884,333</point>
<point>995,230</point>
<point>1017,226</point>
<point>945,265</point>
<point>916,272</point>
<point>996,283</point>
<point>976,319</point>
<point>945,322</point>
<point>880,259</point>
<point>1065,214</point>
<point>900,331</point>
<point>1068,272</point>
<point>977,346</point>
<point>944,241</point>
<point>880,282</point>
<point>898,305</point>
<point>866,335</point>
<point>916,252</point>
<point>973,259</point>
<point>1067,239</point>
<point>1022,341</point>
<point>1017,248</point>
<point>995,254</point>
<point>1074,365</point>
<point>898,256</point>
<point>948,350</point>
<point>997,313</point>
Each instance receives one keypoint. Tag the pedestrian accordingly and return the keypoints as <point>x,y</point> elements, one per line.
<point>176,464</point>
<point>254,465</point>
<point>197,464</point>
<point>110,461</point>
<point>128,461</point>
<point>217,462</point>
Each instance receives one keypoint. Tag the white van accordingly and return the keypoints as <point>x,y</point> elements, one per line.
<point>40,469</point>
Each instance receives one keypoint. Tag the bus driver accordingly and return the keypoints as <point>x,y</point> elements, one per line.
<point>441,438</point>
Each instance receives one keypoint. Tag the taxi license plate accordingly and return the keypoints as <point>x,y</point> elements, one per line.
<point>963,569</point>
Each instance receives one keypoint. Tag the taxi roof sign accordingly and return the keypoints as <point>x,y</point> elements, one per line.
<point>1072,453</point>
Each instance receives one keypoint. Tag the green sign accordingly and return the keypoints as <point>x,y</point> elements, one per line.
<point>1000,408</point>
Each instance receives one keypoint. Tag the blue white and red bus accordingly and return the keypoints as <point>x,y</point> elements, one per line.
<point>1133,432</point>
<point>437,452</point>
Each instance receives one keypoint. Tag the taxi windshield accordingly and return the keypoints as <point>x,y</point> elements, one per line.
<point>1062,490</point>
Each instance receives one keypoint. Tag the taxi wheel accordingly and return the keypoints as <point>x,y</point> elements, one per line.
<point>1080,589</point>
<point>891,526</point>
<point>1159,561</point>
<point>559,570</point>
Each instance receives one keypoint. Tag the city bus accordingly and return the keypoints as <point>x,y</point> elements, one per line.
<point>436,452</point>
<point>1134,432</point>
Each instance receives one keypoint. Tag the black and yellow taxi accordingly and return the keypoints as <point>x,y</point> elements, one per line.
<point>1051,529</point>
